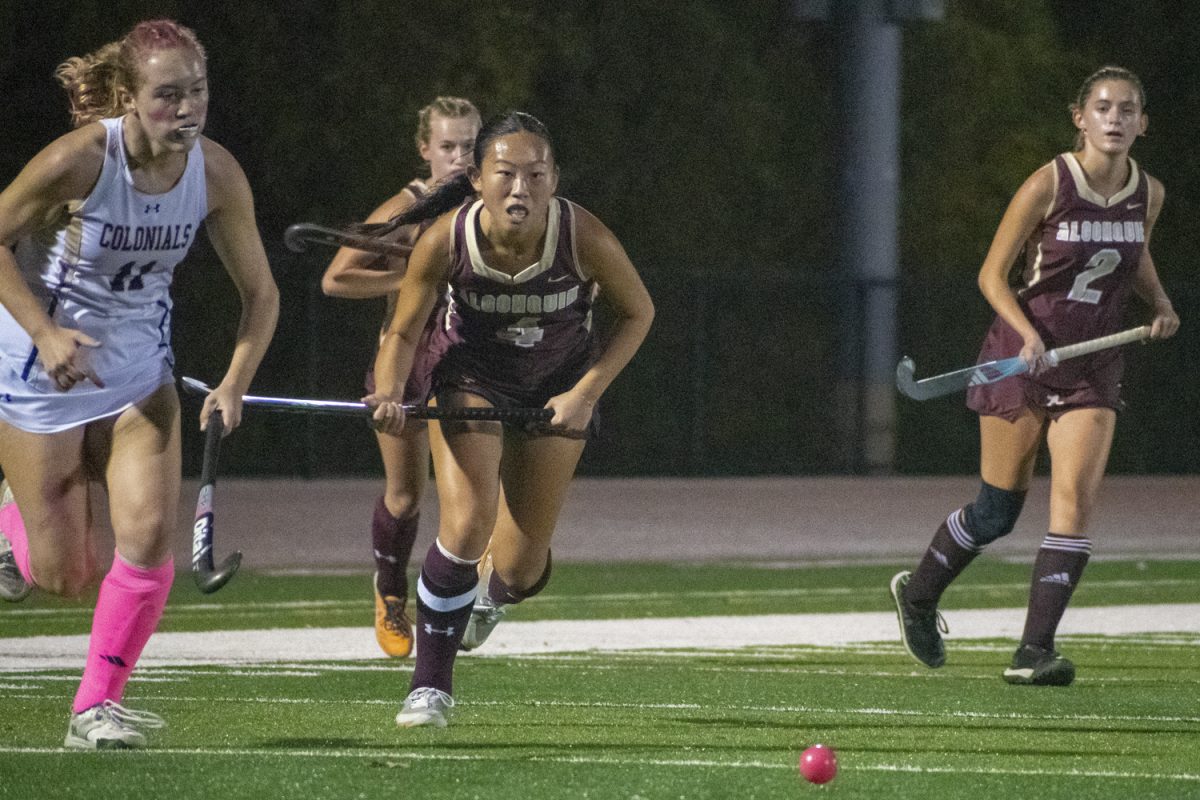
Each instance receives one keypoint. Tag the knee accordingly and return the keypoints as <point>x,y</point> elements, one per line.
<point>401,501</point>
<point>994,513</point>
<point>146,542</point>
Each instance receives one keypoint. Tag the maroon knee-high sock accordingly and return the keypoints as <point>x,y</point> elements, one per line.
<point>392,539</point>
<point>501,592</point>
<point>951,550</point>
<point>445,595</point>
<point>1056,572</point>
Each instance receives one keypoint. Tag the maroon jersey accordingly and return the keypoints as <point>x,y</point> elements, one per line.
<point>525,337</point>
<point>418,388</point>
<point>1080,262</point>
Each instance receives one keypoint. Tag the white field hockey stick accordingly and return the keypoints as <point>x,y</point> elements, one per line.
<point>208,578</point>
<point>297,238</point>
<point>993,371</point>
<point>302,406</point>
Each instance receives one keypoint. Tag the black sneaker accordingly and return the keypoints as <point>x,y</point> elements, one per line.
<point>920,631</point>
<point>1037,666</point>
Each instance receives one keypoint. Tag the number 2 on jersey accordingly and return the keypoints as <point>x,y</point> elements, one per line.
<point>1101,264</point>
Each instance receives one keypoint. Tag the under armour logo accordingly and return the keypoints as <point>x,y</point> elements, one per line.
<point>430,630</point>
<point>385,557</point>
<point>151,206</point>
<point>1057,578</point>
<point>116,661</point>
<point>1054,400</point>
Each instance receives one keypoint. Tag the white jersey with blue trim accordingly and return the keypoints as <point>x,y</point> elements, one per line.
<point>104,268</point>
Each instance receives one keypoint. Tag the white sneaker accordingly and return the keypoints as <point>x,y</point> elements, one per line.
<point>486,613</point>
<point>110,726</point>
<point>485,616</point>
<point>13,586</point>
<point>425,706</point>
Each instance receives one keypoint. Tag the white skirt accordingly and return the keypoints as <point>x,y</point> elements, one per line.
<point>35,406</point>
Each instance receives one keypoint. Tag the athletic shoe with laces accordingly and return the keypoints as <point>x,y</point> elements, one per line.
<point>110,726</point>
<point>393,628</point>
<point>1037,666</point>
<point>425,706</point>
<point>486,613</point>
<point>920,631</point>
<point>13,586</point>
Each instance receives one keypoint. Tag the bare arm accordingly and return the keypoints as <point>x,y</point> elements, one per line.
<point>356,274</point>
<point>603,258</point>
<point>428,268</point>
<point>234,234</point>
<point>1146,284</point>
<point>66,170</point>
<point>1027,208</point>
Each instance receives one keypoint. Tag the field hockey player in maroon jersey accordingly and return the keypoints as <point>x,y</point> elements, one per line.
<point>445,137</point>
<point>522,267</point>
<point>1080,229</point>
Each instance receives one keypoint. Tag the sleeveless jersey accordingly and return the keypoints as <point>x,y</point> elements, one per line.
<point>1082,258</point>
<point>417,188</point>
<point>419,386</point>
<point>104,268</point>
<point>1077,280</point>
<point>526,336</point>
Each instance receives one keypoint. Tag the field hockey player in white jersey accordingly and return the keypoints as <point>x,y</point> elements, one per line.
<point>91,231</point>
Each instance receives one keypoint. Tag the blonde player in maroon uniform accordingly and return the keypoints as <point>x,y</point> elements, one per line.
<point>446,131</point>
<point>523,267</point>
<point>1083,224</point>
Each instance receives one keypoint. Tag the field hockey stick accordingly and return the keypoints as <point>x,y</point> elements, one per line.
<point>342,407</point>
<point>208,579</point>
<point>1000,369</point>
<point>298,237</point>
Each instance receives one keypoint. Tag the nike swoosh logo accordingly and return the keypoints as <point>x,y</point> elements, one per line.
<point>559,278</point>
<point>1132,206</point>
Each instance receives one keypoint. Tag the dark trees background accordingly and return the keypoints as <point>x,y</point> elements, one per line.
<point>700,132</point>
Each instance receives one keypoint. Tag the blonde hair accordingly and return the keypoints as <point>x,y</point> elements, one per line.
<point>1105,73</point>
<point>94,82</point>
<point>452,107</point>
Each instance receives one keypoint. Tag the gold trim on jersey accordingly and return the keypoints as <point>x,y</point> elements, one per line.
<point>530,272</point>
<point>1091,195</point>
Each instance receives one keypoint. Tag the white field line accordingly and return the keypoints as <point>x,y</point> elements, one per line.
<point>256,608</point>
<point>593,705</point>
<point>295,645</point>
<point>398,758</point>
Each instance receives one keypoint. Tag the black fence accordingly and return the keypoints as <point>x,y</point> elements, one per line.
<point>737,377</point>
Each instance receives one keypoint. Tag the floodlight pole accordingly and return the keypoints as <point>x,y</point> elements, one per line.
<point>866,148</point>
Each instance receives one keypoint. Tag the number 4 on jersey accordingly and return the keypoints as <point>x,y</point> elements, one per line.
<point>523,333</point>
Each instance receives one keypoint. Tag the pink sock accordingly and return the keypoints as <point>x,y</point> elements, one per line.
<point>14,530</point>
<point>130,604</point>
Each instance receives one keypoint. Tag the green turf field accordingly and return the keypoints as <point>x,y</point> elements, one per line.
<point>637,723</point>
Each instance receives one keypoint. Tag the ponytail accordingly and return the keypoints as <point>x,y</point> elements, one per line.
<point>94,82</point>
<point>445,196</point>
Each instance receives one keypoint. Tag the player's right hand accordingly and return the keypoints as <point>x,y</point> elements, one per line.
<point>64,354</point>
<point>387,415</point>
<point>1033,352</point>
